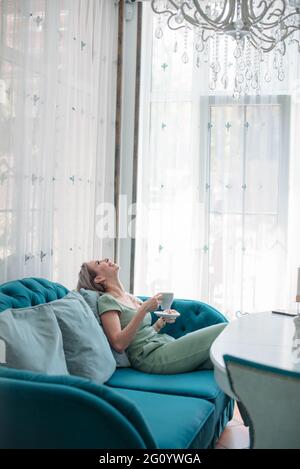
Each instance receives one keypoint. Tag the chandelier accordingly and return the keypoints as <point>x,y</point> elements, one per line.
<point>258,29</point>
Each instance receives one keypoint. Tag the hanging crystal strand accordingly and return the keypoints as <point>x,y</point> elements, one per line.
<point>158,30</point>
<point>238,55</point>
<point>179,18</point>
<point>248,72</point>
<point>175,49</point>
<point>281,73</point>
<point>217,67</point>
<point>185,57</point>
<point>199,46</point>
<point>260,60</point>
<point>241,67</point>
<point>247,61</point>
<point>268,76</point>
<point>224,79</point>
<point>275,56</point>
<point>205,54</point>
<point>213,65</point>
<point>255,79</point>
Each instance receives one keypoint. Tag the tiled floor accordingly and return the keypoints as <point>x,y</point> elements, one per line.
<point>235,435</point>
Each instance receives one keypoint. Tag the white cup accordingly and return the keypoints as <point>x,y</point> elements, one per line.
<point>166,300</point>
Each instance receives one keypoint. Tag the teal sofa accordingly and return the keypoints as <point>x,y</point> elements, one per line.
<point>131,410</point>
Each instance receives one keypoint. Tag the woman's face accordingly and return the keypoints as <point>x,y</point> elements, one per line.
<point>104,269</point>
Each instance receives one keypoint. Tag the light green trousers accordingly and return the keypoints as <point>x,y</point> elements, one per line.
<point>188,353</point>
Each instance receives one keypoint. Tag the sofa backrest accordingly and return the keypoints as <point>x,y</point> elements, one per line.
<point>29,292</point>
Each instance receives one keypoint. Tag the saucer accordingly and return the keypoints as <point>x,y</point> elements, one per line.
<point>162,314</point>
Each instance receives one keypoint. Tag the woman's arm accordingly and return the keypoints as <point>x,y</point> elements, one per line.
<point>121,339</point>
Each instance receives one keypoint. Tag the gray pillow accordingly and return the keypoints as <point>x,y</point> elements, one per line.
<point>91,297</point>
<point>33,340</point>
<point>86,347</point>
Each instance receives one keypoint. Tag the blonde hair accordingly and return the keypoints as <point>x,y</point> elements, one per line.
<point>86,279</point>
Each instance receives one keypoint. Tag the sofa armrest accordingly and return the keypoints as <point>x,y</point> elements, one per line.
<point>194,315</point>
<point>42,411</point>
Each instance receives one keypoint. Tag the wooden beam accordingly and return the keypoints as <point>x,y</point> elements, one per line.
<point>118,123</point>
<point>136,132</point>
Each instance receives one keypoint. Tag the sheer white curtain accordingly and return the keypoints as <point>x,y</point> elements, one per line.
<point>219,217</point>
<point>57,120</point>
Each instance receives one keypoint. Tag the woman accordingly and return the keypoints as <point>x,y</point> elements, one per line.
<point>126,321</point>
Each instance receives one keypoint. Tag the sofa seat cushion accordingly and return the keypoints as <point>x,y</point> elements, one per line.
<point>194,384</point>
<point>175,421</point>
<point>200,384</point>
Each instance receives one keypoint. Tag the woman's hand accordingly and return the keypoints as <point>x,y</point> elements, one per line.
<point>169,320</point>
<point>161,322</point>
<point>152,303</point>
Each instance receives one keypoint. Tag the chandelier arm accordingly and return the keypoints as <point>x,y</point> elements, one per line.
<point>289,31</point>
<point>258,46</point>
<point>177,26</point>
<point>218,21</point>
<point>171,14</point>
<point>257,19</point>
<point>270,24</point>
<point>209,36</point>
<point>252,14</point>
<point>264,40</point>
<point>282,21</point>
<point>262,36</point>
<point>161,12</point>
<point>265,43</point>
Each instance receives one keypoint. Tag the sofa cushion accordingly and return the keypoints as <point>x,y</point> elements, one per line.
<point>33,340</point>
<point>91,297</point>
<point>200,384</point>
<point>163,421</point>
<point>29,292</point>
<point>86,347</point>
<point>175,421</point>
<point>195,384</point>
<point>111,396</point>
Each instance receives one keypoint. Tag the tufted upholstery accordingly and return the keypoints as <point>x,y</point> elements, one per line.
<point>194,315</point>
<point>29,292</point>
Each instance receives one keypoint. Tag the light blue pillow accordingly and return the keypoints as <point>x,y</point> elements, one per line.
<point>86,347</point>
<point>91,297</point>
<point>33,340</point>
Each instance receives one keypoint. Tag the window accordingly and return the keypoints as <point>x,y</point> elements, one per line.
<point>213,180</point>
<point>246,203</point>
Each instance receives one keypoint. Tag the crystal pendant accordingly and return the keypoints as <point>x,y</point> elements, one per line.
<point>254,82</point>
<point>224,81</point>
<point>248,75</point>
<point>240,78</point>
<point>199,46</point>
<point>159,33</point>
<point>212,84</point>
<point>237,53</point>
<point>179,18</point>
<point>268,77</point>
<point>185,58</point>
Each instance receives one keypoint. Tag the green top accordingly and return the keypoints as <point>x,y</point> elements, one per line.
<point>146,338</point>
